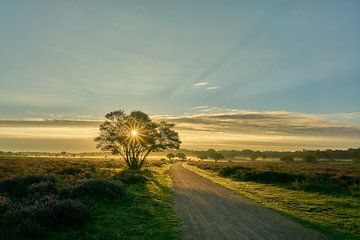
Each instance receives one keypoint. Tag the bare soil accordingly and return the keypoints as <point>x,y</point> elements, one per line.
<point>209,211</point>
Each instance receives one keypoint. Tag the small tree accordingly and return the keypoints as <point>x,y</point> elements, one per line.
<point>181,156</point>
<point>135,136</point>
<point>170,156</point>
<point>217,156</point>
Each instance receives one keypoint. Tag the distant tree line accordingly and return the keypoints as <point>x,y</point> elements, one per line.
<point>307,155</point>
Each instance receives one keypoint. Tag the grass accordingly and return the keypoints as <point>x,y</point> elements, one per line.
<point>143,210</point>
<point>145,213</point>
<point>337,216</point>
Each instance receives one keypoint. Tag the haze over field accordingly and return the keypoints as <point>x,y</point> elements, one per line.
<point>270,75</point>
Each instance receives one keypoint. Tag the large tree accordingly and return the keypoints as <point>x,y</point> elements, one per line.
<point>135,136</point>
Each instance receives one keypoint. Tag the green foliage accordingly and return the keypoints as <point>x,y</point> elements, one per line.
<point>46,213</point>
<point>212,154</point>
<point>95,188</point>
<point>327,155</point>
<point>334,179</point>
<point>116,135</point>
<point>18,186</point>
<point>130,177</point>
<point>83,199</point>
<point>170,156</point>
<point>42,188</point>
<point>181,156</point>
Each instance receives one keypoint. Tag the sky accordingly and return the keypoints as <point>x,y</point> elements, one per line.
<point>181,60</point>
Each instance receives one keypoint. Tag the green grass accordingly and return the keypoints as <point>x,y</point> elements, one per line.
<point>339,217</point>
<point>144,213</point>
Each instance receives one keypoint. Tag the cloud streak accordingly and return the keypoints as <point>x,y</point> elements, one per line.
<point>204,85</point>
<point>209,127</point>
<point>200,84</point>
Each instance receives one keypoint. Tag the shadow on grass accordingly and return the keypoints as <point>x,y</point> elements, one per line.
<point>144,213</point>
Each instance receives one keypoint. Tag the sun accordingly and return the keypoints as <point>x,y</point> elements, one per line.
<point>134,133</point>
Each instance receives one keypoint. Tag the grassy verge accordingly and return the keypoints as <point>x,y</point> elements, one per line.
<point>339,217</point>
<point>144,213</point>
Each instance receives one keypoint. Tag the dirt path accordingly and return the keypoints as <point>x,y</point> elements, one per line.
<point>209,211</point>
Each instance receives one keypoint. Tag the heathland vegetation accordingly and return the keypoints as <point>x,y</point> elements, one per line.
<point>324,194</point>
<point>77,198</point>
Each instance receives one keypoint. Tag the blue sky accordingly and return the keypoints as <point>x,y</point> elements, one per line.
<point>70,59</point>
<point>251,74</point>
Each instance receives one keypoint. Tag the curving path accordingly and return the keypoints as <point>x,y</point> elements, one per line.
<point>210,211</point>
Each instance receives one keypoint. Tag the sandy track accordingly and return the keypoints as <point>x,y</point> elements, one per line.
<point>209,211</point>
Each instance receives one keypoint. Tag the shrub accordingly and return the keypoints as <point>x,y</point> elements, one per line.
<point>69,171</point>
<point>97,189</point>
<point>287,159</point>
<point>4,203</point>
<point>232,170</point>
<point>157,164</point>
<point>18,186</point>
<point>48,213</point>
<point>130,177</point>
<point>42,188</point>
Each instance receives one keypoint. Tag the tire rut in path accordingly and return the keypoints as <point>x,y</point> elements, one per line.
<point>209,211</point>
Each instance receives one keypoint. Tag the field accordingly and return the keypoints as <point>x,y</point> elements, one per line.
<point>84,198</point>
<point>323,195</point>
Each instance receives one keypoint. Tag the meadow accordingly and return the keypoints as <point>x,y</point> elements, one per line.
<point>325,195</point>
<point>84,198</point>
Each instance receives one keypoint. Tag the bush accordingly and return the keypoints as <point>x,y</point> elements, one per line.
<point>232,171</point>
<point>42,188</point>
<point>97,189</point>
<point>287,159</point>
<point>18,186</point>
<point>4,203</point>
<point>69,171</point>
<point>48,213</point>
<point>130,177</point>
<point>157,164</point>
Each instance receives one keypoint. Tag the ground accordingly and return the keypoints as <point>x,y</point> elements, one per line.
<point>209,211</point>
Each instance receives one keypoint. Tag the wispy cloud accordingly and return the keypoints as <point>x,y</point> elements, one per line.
<point>200,84</point>
<point>212,88</point>
<point>204,85</point>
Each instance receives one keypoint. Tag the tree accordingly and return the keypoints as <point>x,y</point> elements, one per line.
<point>135,136</point>
<point>181,156</point>
<point>217,156</point>
<point>170,156</point>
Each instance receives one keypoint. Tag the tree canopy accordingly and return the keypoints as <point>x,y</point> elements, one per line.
<point>135,136</point>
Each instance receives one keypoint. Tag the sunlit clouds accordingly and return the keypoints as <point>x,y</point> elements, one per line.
<point>210,127</point>
<point>240,74</point>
